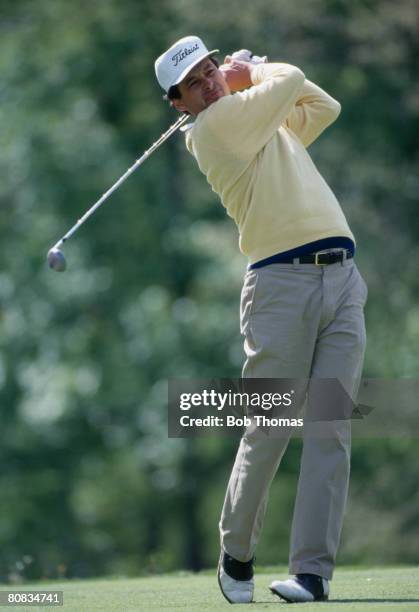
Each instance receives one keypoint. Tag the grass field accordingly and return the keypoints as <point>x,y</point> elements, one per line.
<point>354,589</point>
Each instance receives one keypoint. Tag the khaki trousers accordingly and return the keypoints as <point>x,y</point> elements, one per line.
<point>298,321</point>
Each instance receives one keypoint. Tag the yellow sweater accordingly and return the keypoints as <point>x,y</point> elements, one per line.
<point>251,146</point>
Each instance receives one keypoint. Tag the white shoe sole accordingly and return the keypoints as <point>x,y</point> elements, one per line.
<point>325,598</point>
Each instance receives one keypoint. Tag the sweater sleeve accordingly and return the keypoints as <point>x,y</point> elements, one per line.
<point>313,112</point>
<point>247,120</point>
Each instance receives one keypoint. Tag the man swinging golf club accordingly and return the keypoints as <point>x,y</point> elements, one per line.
<point>303,296</point>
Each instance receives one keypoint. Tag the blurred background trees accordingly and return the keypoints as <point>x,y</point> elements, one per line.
<point>90,482</point>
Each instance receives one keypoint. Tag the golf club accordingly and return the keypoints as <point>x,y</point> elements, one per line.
<point>55,257</point>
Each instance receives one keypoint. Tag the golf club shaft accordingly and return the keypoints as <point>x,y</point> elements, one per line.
<point>119,182</point>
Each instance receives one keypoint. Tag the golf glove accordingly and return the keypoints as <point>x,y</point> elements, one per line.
<point>247,56</point>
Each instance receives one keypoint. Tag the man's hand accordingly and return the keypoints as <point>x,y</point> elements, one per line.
<point>237,73</point>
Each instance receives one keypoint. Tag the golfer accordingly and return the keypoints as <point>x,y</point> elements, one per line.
<point>302,300</point>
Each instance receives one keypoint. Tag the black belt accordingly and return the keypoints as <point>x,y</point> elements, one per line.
<point>324,259</point>
<point>319,259</point>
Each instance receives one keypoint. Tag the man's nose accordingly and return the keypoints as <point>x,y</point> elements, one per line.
<point>208,84</point>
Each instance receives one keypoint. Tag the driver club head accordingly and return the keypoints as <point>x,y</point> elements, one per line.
<point>56,260</point>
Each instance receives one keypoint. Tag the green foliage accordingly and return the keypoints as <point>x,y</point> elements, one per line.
<point>91,485</point>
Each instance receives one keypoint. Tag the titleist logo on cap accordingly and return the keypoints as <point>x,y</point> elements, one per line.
<point>182,53</point>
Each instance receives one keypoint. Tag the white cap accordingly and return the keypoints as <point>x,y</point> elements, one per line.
<point>175,63</point>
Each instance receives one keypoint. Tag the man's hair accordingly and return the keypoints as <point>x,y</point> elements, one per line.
<point>174,93</point>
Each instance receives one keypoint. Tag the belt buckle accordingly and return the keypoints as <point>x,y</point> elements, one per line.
<point>316,258</point>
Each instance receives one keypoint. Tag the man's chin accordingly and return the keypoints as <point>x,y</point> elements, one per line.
<point>211,99</point>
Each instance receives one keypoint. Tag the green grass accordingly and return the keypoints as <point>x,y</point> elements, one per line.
<point>355,589</point>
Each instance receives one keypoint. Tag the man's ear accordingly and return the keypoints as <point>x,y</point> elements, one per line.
<point>178,105</point>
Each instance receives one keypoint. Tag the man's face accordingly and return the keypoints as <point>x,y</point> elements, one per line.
<point>203,85</point>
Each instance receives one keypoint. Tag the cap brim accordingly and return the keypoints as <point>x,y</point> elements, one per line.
<point>189,68</point>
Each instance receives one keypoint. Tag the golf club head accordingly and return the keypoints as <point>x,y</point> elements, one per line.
<point>56,260</point>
